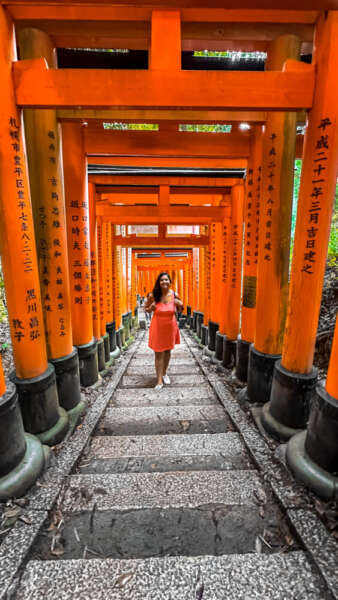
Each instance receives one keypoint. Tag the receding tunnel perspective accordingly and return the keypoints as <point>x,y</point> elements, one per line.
<point>168,300</point>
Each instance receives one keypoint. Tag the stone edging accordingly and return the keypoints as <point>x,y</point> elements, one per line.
<point>16,545</point>
<point>294,498</point>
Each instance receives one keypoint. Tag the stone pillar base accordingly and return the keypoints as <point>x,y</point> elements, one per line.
<point>212,330</point>
<point>89,372</point>
<point>290,399</point>
<point>106,346</point>
<point>260,372</point>
<point>204,335</point>
<point>229,352</point>
<point>219,346</point>
<point>42,416</point>
<point>110,328</point>
<point>242,359</point>
<point>16,483</point>
<point>323,483</point>
<point>199,323</point>
<point>101,361</point>
<point>67,374</point>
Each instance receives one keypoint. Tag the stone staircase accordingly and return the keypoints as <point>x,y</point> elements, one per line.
<point>166,504</point>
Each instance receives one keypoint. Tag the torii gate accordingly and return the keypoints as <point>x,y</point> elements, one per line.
<point>65,316</point>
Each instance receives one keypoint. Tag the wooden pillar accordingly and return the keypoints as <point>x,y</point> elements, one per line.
<point>215,261</point>
<point>48,202</point>
<point>224,287</point>
<point>288,410</point>
<point>94,263</point>
<point>250,259</point>
<point>235,276</point>
<point>108,273</point>
<point>38,396</point>
<point>274,234</point>
<point>77,211</point>
<point>195,278</point>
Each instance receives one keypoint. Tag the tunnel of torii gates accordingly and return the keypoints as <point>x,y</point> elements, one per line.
<point>89,217</point>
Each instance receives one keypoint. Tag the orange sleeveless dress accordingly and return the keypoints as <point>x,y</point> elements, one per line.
<point>163,331</point>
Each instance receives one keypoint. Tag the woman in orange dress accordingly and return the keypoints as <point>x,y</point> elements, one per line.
<point>163,331</point>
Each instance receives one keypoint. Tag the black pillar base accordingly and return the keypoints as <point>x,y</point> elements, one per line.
<point>229,352</point>
<point>22,456</point>
<point>188,311</point>
<point>120,339</point>
<point>306,470</point>
<point>101,362</point>
<point>41,413</point>
<point>212,330</point>
<point>204,335</point>
<point>322,432</point>
<point>89,372</point>
<point>242,359</point>
<point>219,346</point>
<point>194,320</point>
<point>110,328</point>
<point>260,372</point>
<point>67,374</point>
<point>126,327</point>
<point>106,346</point>
<point>288,410</point>
<point>200,319</point>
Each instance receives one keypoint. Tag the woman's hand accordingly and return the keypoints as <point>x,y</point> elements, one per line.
<point>178,305</point>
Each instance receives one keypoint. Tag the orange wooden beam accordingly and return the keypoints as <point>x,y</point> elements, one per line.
<point>71,11</point>
<point>161,214</point>
<point>134,199</point>
<point>174,143</point>
<point>154,242</point>
<point>39,87</point>
<point>181,116</point>
<point>177,184</point>
<point>170,162</point>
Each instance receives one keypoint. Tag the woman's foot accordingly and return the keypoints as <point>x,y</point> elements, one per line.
<point>158,386</point>
<point>166,379</point>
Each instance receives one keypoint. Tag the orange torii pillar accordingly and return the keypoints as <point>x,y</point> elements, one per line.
<point>125,299</point>
<point>207,295</point>
<point>21,455</point>
<point>48,202</point>
<point>194,288</point>
<point>294,376</point>
<point>233,304</point>
<point>134,292</point>
<point>199,314</point>
<point>250,258</point>
<point>78,236</point>
<point>215,270</point>
<point>224,283</point>
<point>116,297</point>
<point>313,454</point>
<point>101,255</point>
<point>95,277</point>
<point>110,345</point>
<point>279,141</point>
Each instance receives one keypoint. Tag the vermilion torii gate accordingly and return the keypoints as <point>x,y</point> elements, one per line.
<point>66,274</point>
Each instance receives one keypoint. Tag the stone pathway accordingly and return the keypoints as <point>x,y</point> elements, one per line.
<point>166,504</point>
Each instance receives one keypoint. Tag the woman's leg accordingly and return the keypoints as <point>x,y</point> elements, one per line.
<point>159,366</point>
<point>167,355</point>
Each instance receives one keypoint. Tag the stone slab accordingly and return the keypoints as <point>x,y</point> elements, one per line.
<point>161,490</point>
<point>236,577</point>
<point>149,380</point>
<point>228,444</point>
<point>174,368</point>
<point>152,420</point>
<point>163,453</point>
<point>155,532</point>
<point>167,397</point>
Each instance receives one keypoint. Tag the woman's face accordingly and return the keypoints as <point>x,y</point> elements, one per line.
<point>164,281</point>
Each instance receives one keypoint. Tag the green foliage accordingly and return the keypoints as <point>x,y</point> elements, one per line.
<point>131,126</point>
<point>215,128</point>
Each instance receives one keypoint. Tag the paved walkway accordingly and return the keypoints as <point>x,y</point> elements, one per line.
<point>167,504</point>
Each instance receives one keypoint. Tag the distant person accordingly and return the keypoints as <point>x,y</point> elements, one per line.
<point>163,332</point>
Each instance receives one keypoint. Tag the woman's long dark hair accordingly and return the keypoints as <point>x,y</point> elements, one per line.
<point>157,288</point>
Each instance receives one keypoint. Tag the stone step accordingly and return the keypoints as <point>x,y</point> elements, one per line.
<point>174,368</point>
<point>152,420</point>
<point>157,532</point>
<point>200,396</point>
<point>149,360</point>
<point>236,577</point>
<point>164,453</point>
<point>162,490</point>
<point>149,380</point>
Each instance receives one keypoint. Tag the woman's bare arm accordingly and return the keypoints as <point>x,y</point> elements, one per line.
<point>178,303</point>
<point>150,304</point>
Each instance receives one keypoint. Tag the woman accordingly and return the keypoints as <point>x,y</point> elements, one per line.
<point>163,331</point>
